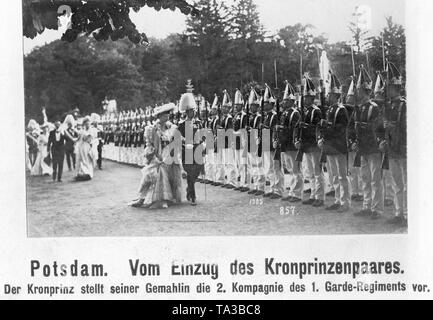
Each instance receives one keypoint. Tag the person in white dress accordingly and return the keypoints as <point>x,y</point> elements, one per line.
<point>42,165</point>
<point>86,155</point>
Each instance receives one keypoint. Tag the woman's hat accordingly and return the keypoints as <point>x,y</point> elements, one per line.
<point>166,108</point>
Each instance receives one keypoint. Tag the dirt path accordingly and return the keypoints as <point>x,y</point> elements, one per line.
<point>99,208</point>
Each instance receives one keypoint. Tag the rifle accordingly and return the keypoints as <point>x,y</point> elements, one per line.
<point>206,114</point>
<point>277,156</point>
<point>300,153</point>
<point>260,131</point>
<point>322,102</point>
<point>357,158</point>
<point>385,155</point>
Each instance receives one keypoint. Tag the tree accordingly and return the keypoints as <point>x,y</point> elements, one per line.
<point>359,34</point>
<point>301,48</point>
<point>246,34</point>
<point>62,76</point>
<point>104,19</point>
<point>394,41</point>
<point>245,21</point>
<point>205,47</point>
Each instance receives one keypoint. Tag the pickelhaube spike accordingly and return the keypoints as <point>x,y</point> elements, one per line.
<point>335,84</point>
<point>239,99</point>
<point>309,87</point>
<point>379,87</point>
<point>289,92</point>
<point>364,79</point>
<point>227,102</point>
<point>351,91</point>
<point>395,77</point>
<point>268,95</point>
<point>254,97</point>
<point>215,102</point>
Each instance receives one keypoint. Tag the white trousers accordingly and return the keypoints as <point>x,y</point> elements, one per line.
<point>273,173</point>
<point>337,166</point>
<point>257,176</point>
<point>296,181</point>
<point>398,170</point>
<point>241,167</point>
<point>209,166</point>
<point>229,167</point>
<point>314,169</point>
<point>219,166</point>
<point>388,188</point>
<point>355,180</point>
<point>372,186</point>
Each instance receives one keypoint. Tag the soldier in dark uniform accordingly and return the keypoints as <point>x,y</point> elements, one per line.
<point>396,142</point>
<point>255,160</point>
<point>239,123</point>
<point>354,173</point>
<point>308,143</point>
<point>204,120</point>
<point>290,118</point>
<point>366,141</point>
<point>226,124</point>
<point>218,150</point>
<point>244,123</point>
<point>272,168</point>
<point>332,141</point>
<point>122,143</point>
<point>211,156</point>
<point>101,137</point>
<point>192,161</point>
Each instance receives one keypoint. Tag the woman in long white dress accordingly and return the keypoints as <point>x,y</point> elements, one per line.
<point>40,167</point>
<point>86,157</point>
<point>161,183</point>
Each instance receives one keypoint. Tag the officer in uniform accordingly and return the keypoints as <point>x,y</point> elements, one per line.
<point>308,143</point>
<point>366,142</point>
<point>239,123</point>
<point>244,124</point>
<point>226,124</point>
<point>255,162</point>
<point>116,139</point>
<point>218,151</point>
<point>209,163</point>
<point>188,128</point>
<point>396,142</point>
<point>354,173</point>
<point>332,142</point>
<point>272,168</point>
<point>122,144</point>
<point>379,99</point>
<point>288,122</point>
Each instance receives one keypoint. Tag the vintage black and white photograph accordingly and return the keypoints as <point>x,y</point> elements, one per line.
<point>178,118</point>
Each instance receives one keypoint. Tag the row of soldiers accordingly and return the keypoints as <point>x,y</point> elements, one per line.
<point>359,140</point>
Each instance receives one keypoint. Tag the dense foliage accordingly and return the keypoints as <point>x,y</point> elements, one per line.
<point>224,47</point>
<point>105,19</point>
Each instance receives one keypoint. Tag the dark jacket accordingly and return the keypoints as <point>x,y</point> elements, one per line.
<point>367,128</point>
<point>69,147</point>
<point>397,136</point>
<point>270,121</point>
<point>289,120</point>
<point>312,118</point>
<point>54,145</point>
<point>334,132</point>
<point>196,125</point>
<point>237,126</point>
